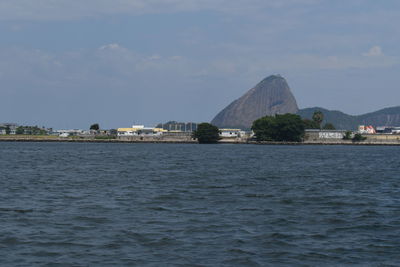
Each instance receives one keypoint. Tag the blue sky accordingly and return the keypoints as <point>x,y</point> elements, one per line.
<point>67,64</point>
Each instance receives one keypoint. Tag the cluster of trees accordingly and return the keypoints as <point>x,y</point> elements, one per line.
<point>8,130</point>
<point>287,127</point>
<point>316,122</point>
<point>356,138</point>
<point>95,127</point>
<point>31,130</point>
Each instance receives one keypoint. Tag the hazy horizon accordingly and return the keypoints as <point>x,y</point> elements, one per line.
<point>70,64</point>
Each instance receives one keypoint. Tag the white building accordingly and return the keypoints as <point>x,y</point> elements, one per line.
<point>140,130</point>
<point>11,128</point>
<point>231,133</point>
<point>396,130</point>
<point>66,133</point>
<point>362,129</point>
<point>316,135</point>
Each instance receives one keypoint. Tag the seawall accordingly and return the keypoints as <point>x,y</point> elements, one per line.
<point>368,142</point>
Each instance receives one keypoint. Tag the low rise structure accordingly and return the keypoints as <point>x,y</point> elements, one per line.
<point>324,135</point>
<point>140,130</point>
<point>71,132</point>
<point>362,129</point>
<point>178,126</point>
<point>384,130</point>
<point>231,133</point>
<point>8,128</point>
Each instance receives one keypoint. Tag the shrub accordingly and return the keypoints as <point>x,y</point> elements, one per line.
<point>358,137</point>
<point>206,133</point>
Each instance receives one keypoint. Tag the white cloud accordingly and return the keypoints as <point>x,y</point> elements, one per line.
<point>155,57</point>
<point>375,51</point>
<point>113,46</point>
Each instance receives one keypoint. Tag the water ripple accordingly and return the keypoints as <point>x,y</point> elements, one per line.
<point>192,205</point>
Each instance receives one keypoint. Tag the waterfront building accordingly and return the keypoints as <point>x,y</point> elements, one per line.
<point>140,130</point>
<point>384,130</point>
<point>71,132</point>
<point>8,128</point>
<point>396,130</point>
<point>178,126</point>
<point>362,129</point>
<point>231,133</point>
<point>318,135</point>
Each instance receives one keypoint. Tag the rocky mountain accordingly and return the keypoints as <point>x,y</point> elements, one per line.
<point>383,117</point>
<point>270,96</point>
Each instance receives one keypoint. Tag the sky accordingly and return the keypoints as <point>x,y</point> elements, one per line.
<point>71,63</point>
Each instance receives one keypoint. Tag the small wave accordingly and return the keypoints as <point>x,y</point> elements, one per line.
<point>16,210</point>
<point>9,241</point>
<point>258,195</point>
<point>240,251</point>
<point>92,219</point>
<point>46,254</point>
<point>158,208</point>
<point>241,262</point>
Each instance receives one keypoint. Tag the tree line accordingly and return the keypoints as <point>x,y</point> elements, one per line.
<point>286,127</point>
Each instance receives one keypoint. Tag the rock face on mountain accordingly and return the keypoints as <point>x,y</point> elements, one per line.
<point>269,97</point>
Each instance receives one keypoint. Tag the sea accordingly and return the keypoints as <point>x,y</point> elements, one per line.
<point>87,204</point>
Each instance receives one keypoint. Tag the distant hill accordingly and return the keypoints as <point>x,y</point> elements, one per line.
<point>383,117</point>
<point>269,97</point>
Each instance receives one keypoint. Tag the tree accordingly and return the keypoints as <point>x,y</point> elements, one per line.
<point>329,126</point>
<point>358,137</point>
<point>287,127</point>
<point>20,130</point>
<point>264,128</point>
<point>206,133</point>
<point>318,117</point>
<point>309,124</point>
<point>347,135</point>
<point>8,130</point>
<point>95,127</point>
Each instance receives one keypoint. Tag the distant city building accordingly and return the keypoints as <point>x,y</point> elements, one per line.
<point>396,130</point>
<point>178,126</point>
<point>227,133</point>
<point>71,132</point>
<point>140,130</point>
<point>384,129</point>
<point>362,129</point>
<point>316,134</point>
<point>8,128</point>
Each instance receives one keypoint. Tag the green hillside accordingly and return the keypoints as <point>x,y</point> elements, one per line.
<point>383,117</point>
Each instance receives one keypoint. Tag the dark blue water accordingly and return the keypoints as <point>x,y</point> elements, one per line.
<point>198,205</point>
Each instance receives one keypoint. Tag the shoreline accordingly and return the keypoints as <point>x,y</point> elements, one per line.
<point>119,141</point>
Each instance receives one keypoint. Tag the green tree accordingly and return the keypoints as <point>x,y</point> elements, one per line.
<point>318,117</point>
<point>206,133</point>
<point>20,130</point>
<point>358,137</point>
<point>309,124</point>
<point>95,127</point>
<point>287,127</point>
<point>264,128</point>
<point>8,130</point>
<point>329,126</point>
<point>347,135</point>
